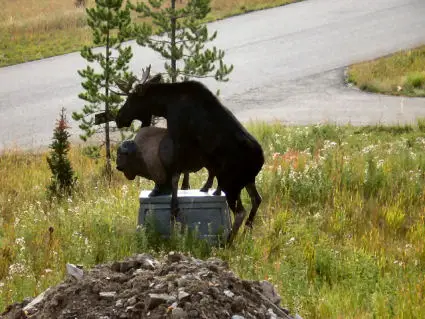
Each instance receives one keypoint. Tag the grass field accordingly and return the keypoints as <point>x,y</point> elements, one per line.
<point>340,231</point>
<point>402,73</point>
<point>31,29</point>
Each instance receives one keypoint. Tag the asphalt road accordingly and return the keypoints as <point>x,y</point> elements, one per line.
<point>288,66</point>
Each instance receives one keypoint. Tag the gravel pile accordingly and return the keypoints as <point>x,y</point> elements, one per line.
<point>140,286</point>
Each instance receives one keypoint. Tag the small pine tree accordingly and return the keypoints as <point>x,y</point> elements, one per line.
<point>110,24</point>
<point>183,40</point>
<point>62,180</point>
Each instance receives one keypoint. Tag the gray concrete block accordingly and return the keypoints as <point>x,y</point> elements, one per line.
<point>209,213</point>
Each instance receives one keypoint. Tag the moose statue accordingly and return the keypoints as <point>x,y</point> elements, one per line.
<point>198,123</point>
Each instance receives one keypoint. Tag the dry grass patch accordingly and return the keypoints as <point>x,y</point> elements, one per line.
<point>402,73</point>
<point>36,29</point>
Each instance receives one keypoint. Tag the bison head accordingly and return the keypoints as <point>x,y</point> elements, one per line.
<point>134,90</point>
<point>127,161</point>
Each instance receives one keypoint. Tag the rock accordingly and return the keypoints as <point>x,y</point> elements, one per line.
<point>116,266</point>
<point>107,294</point>
<point>181,282</point>
<point>74,271</point>
<point>125,266</point>
<point>193,313</point>
<point>154,300</point>
<point>237,317</point>
<point>229,294</point>
<point>131,301</point>
<point>119,303</point>
<point>238,304</point>
<point>271,314</point>
<point>178,313</point>
<point>146,261</point>
<point>31,307</point>
<point>183,296</point>
<point>269,292</point>
<point>174,257</point>
<point>204,301</point>
<point>214,291</point>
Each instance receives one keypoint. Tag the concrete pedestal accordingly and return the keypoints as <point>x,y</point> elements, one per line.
<point>209,213</point>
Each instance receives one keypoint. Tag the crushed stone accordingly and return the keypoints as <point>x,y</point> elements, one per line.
<point>176,286</point>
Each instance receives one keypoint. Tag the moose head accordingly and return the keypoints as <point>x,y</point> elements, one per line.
<point>134,89</point>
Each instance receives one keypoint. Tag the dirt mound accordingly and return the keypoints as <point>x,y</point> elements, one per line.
<point>177,287</point>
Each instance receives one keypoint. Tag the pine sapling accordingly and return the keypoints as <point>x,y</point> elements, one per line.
<point>62,179</point>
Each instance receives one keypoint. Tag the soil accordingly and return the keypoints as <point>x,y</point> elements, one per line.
<point>177,286</point>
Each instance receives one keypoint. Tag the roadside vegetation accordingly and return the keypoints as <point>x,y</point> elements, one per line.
<point>32,29</point>
<point>340,231</point>
<point>402,73</point>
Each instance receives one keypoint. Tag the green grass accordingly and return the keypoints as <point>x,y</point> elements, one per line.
<point>31,29</point>
<point>402,73</point>
<point>340,230</point>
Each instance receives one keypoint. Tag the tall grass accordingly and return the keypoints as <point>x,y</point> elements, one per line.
<point>340,230</point>
<point>31,29</point>
<point>402,73</point>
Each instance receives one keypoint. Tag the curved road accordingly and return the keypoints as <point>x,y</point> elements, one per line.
<point>288,66</point>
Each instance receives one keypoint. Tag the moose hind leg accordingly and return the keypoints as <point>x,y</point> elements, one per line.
<point>185,183</point>
<point>208,184</point>
<point>255,202</point>
<point>240,213</point>
<point>217,191</point>
<point>174,200</point>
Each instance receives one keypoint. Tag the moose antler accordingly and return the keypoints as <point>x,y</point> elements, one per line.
<point>145,74</point>
<point>127,86</point>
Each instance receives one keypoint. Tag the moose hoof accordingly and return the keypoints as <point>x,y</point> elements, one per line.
<point>230,238</point>
<point>176,216</point>
<point>204,190</point>
<point>248,224</point>
<point>158,191</point>
<point>217,192</point>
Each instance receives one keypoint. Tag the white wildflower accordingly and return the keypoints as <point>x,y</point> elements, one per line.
<point>290,241</point>
<point>16,268</point>
<point>317,216</point>
<point>329,144</point>
<point>20,241</point>
<point>367,149</point>
<point>124,189</point>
